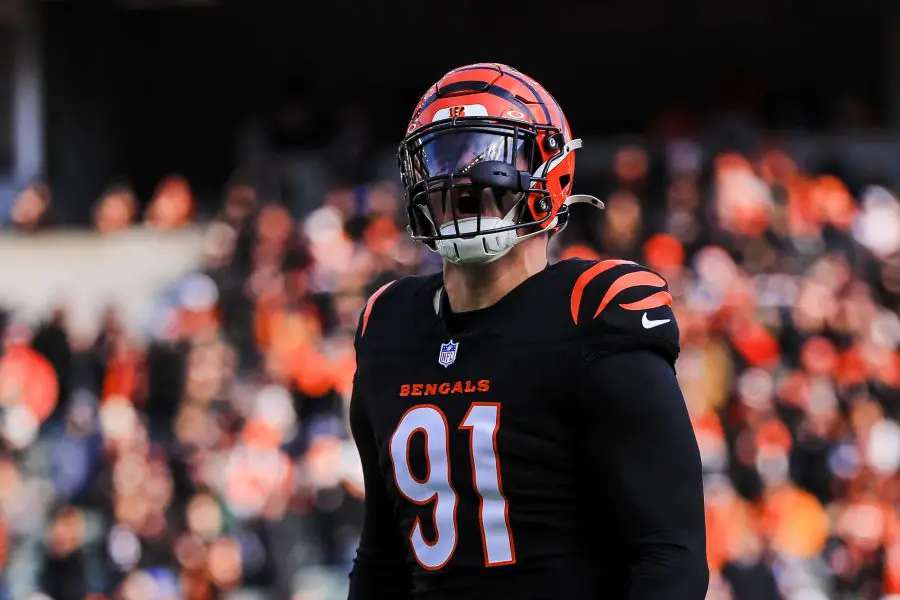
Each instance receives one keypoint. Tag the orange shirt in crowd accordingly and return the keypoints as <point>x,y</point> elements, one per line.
<point>28,378</point>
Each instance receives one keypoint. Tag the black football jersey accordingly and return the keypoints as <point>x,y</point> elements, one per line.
<point>475,426</point>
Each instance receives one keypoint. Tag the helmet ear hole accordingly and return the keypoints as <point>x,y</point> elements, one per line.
<point>564,181</point>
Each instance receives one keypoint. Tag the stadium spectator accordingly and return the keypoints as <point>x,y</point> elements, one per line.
<point>214,456</point>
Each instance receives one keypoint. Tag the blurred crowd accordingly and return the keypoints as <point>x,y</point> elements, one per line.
<point>117,209</point>
<point>210,456</point>
<point>787,289</point>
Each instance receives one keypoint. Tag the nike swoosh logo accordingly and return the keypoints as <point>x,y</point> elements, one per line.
<point>651,323</point>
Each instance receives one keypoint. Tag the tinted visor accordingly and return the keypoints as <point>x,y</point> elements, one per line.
<point>453,152</point>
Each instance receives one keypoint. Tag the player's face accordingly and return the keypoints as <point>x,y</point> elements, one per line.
<point>452,154</point>
<point>464,201</point>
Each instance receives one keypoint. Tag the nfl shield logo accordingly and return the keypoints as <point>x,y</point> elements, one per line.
<point>448,353</point>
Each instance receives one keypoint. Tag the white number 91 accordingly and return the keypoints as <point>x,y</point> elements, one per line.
<point>482,421</point>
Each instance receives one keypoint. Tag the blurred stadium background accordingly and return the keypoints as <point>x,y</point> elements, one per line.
<point>196,197</point>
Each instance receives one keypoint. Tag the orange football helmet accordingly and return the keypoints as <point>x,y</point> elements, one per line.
<point>487,161</point>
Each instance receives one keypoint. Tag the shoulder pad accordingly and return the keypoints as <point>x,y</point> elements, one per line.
<point>619,306</point>
<point>391,311</point>
<point>367,311</point>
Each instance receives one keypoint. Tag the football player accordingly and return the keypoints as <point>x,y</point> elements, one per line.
<point>521,430</point>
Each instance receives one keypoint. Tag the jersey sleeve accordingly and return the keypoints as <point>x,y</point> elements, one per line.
<point>641,454</point>
<point>620,306</point>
